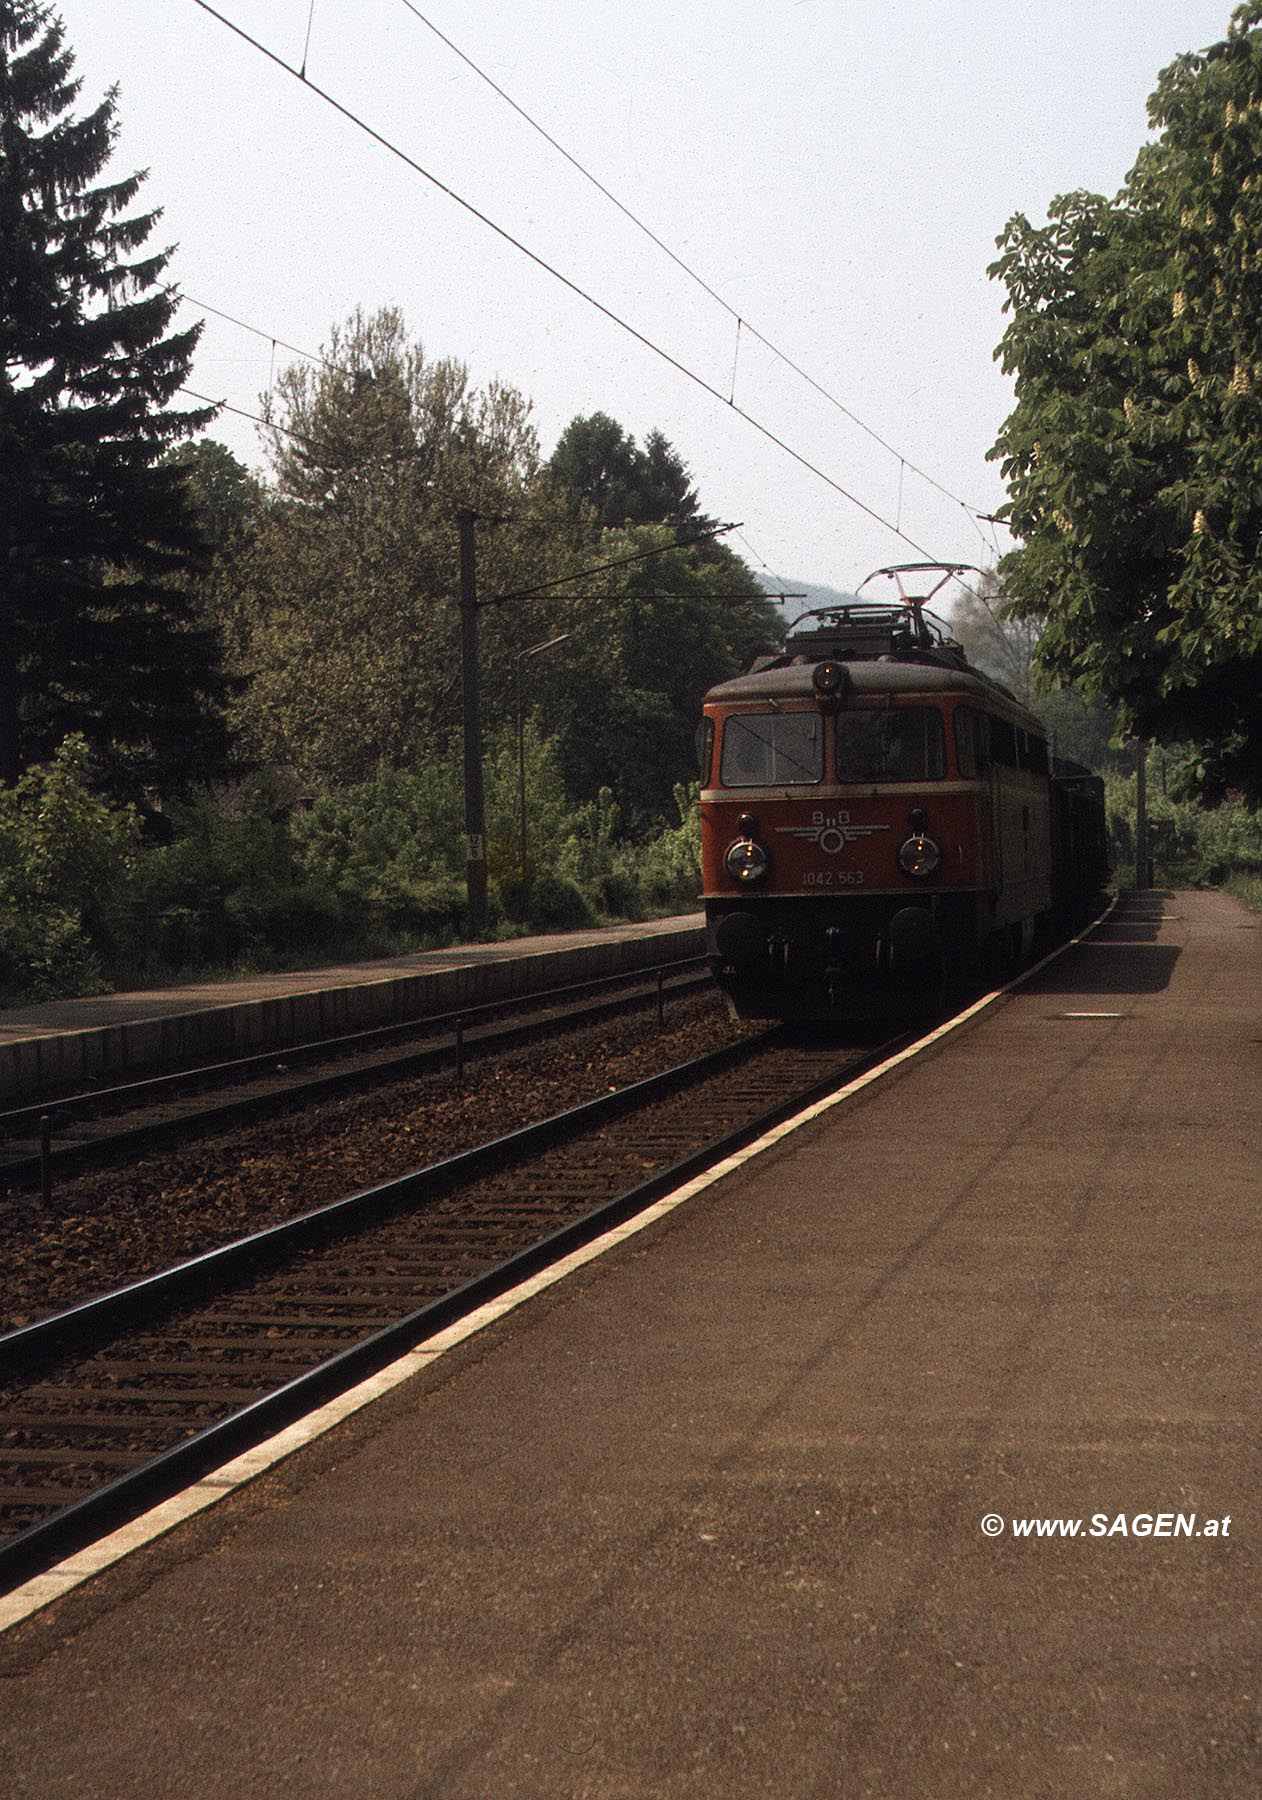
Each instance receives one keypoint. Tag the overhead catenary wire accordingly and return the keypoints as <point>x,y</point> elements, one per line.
<point>618,562</point>
<point>181,296</point>
<point>185,298</point>
<point>742,324</point>
<point>315,357</point>
<point>641,601</point>
<point>306,45</point>
<point>241,413</point>
<point>762,561</point>
<point>546,590</point>
<point>543,590</point>
<point>572,286</point>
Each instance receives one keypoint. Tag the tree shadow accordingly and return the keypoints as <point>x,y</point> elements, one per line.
<point>1114,967</point>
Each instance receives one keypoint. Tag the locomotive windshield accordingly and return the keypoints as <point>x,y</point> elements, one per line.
<point>906,744</point>
<point>773,749</point>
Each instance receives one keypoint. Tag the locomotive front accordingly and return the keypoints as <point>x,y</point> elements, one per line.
<point>848,817</point>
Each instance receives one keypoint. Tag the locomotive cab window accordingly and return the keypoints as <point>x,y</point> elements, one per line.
<point>773,749</point>
<point>705,749</point>
<point>903,744</point>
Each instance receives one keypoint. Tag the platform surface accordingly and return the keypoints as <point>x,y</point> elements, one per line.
<point>59,1043</point>
<point>705,1520</point>
<point>103,1010</point>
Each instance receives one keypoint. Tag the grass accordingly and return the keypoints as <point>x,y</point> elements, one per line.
<point>1247,888</point>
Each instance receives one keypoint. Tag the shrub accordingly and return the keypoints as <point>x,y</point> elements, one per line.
<point>618,894</point>
<point>431,909</point>
<point>45,955</point>
<point>67,858</point>
<point>667,869</point>
<point>1191,845</point>
<point>387,842</point>
<point>228,884</point>
<point>557,904</point>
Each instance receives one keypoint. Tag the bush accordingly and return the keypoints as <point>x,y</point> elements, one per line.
<point>667,869</point>
<point>227,885</point>
<point>1247,888</point>
<point>432,909</point>
<point>67,858</point>
<point>618,894</point>
<point>46,955</point>
<point>545,901</point>
<point>1191,845</point>
<point>395,833</point>
<point>86,901</point>
<point>557,904</point>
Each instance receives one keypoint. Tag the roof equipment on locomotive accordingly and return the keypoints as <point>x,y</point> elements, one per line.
<point>877,814</point>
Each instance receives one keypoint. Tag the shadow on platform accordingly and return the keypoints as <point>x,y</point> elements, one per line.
<point>1110,967</point>
<point>1127,931</point>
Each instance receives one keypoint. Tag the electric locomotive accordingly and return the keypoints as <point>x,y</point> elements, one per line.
<point>878,817</point>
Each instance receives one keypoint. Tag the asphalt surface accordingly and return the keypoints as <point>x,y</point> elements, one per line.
<point>705,1520</point>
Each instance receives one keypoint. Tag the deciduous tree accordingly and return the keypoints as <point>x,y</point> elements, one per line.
<point>625,699</point>
<point>1134,453</point>
<point>350,599</point>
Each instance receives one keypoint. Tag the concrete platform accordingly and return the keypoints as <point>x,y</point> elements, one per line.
<point>116,1035</point>
<point>704,1521</point>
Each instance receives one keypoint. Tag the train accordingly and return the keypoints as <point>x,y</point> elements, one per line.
<point>882,822</point>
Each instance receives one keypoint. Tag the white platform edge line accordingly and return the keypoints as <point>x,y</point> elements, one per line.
<point>42,1590</point>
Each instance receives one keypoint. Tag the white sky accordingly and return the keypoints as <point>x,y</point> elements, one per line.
<point>837,170</point>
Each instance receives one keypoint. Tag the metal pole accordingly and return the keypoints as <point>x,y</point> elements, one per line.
<point>521,777</point>
<point>534,650</point>
<point>474,809</point>
<point>45,1152</point>
<point>1142,879</point>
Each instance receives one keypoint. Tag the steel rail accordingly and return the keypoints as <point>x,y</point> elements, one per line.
<point>154,1133</point>
<point>61,1534</point>
<point>87,1324</point>
<point>313,1049</point>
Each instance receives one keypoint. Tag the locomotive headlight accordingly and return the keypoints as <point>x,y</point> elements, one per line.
<point>919,856</point>
<point>747,861</point>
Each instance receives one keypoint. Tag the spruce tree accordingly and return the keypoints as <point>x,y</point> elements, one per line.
<point>97,632</point>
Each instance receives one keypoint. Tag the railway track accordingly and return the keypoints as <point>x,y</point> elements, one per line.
<point>43,1139</point>
<point>108,1407</point>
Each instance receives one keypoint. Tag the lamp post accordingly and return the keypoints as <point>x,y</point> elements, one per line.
<point>534,650</point>
<point>474,812</point>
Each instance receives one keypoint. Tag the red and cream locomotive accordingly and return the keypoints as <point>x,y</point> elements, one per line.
<point>878,817</point>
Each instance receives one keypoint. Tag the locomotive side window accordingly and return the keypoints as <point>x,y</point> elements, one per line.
<point>774,749</point>
<point>905,744</point>
<point>1003,742</point>
<point>1034,754</point>
<point>972,741</point>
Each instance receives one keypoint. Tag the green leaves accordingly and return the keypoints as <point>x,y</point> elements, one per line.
<point>1132,454</point>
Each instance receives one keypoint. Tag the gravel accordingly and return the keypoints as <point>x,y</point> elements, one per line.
<point>106,1228</point>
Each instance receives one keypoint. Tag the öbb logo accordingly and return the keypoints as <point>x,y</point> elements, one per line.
<point>829,832</point>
